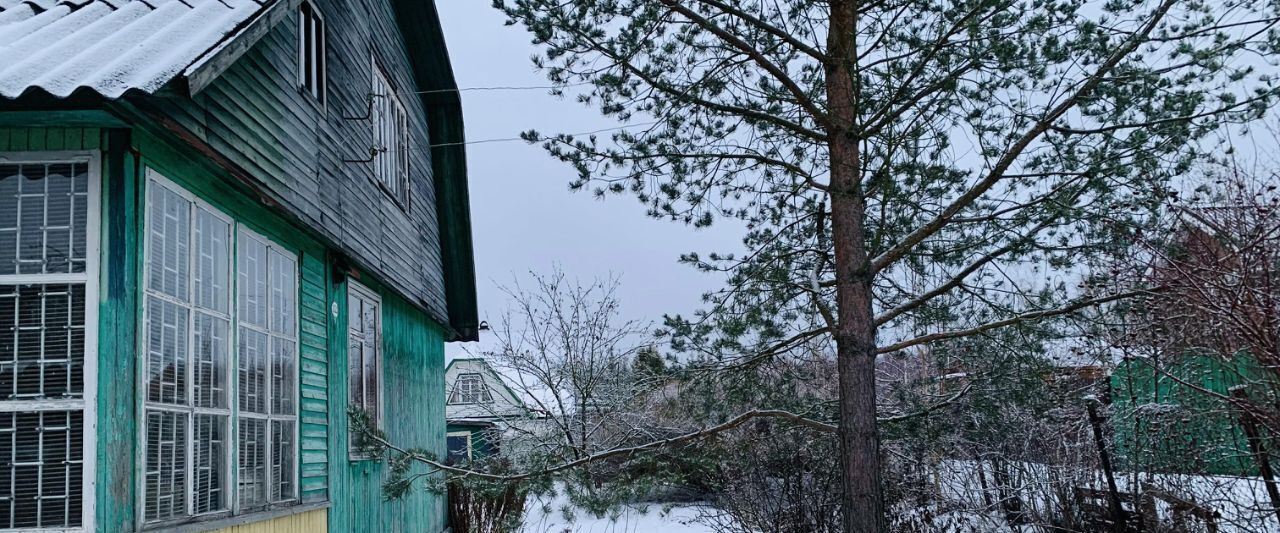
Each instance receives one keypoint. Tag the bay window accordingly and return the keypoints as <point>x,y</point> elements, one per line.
<point>199,418</point>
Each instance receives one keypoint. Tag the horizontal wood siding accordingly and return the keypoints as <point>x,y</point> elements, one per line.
<point>314,380</point>
<point>413,405</point>
<point>316,521</point>
<point>255,114</point>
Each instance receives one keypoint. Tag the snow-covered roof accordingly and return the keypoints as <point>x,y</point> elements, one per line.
<point>110,46</point>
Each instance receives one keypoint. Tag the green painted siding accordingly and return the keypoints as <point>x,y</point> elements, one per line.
<point>1163,424</point>
<point>314,381</point>
<point>413,416</point>
<point>413,342</point>
<point>37,139</point>
<point>117,336</point>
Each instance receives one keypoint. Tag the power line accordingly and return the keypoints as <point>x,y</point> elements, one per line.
<point>521,139</point>
<point>502,88</point>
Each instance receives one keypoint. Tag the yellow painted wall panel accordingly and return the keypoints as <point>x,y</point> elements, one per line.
<point>316,521</point>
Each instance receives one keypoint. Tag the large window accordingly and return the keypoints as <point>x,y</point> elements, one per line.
<point>391,135</point>
<point>192,401</point>
<point>364,351</point>
<point>47,353</point>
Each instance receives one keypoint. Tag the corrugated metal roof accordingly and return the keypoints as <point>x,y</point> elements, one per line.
<point>109,46</point>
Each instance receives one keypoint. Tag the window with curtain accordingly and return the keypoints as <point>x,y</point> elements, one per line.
<point>219,374</point>
<point>46,267</point>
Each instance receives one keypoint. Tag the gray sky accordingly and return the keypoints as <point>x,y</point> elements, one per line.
<point>523,215</point>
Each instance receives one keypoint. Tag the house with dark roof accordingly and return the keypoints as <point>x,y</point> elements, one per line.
<point>222,223</point>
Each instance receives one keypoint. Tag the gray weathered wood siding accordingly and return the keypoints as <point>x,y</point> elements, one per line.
<point>256,116</point>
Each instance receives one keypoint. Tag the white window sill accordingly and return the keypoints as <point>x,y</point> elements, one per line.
<point>239,520</point>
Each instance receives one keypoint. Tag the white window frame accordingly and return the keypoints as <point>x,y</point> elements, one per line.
<point>356,290</point>
<point>88,403</point>
<point>467,435</point>
<point>314,52</point>
<point>484,388</point>
<point>232,440</point>
<point>390,163</point>
<point>242,232</point>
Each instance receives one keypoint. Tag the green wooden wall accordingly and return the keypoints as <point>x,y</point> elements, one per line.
<point>413,416</point>
<point>413,344</point>
<point>1164,424</point>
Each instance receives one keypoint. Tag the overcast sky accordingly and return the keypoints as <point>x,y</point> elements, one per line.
<point>523,215</point>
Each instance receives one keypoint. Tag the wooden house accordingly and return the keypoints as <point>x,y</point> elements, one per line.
<point>222,222</point>
<point>481,409</point>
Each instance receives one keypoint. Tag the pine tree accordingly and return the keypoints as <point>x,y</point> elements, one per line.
<point>908,171</point>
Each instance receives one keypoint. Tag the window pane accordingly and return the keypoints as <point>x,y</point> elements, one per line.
<point>166,352</point>
<point>41,342</point>
<point>43,210</point>
<point>459,449</point>
<point>253,281</point>
<point>253,371</point>
<point>166,474</point>
<point>41,462</point>
<point>170,228</point>
<point>212,349</point>
<point>355,376</point>
<point>284,354</point>
<point>283,453</point>
<point>307,42</point>
<point>370,371</point>
<point>210,463</point>
<point>253,463</point>
<point>10,178</point>
<point>212,273</point>
<point>321,84</point>
<point>284,305</point>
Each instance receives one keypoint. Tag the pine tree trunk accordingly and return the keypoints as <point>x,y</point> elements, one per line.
<point>855,330</point>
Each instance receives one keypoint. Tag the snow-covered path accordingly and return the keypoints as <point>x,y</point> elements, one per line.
<point>547,516</point>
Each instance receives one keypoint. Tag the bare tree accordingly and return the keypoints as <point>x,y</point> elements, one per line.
<point>569,355</point>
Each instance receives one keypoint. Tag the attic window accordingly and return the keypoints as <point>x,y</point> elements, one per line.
<point>391,139</point>
<point>311,51</point>
<point>470,388</point>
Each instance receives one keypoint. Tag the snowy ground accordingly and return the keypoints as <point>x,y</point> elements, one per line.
<point>548,516</point>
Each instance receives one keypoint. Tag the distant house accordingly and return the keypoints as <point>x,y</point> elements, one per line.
<point>1171,390</point>
<point>222,222</point>
<point>480,409</point>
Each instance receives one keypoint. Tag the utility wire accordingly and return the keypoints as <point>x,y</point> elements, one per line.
<point>502,88</point>
<point>520,139</point>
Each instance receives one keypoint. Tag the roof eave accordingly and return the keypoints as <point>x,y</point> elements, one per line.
<point>419,23</point>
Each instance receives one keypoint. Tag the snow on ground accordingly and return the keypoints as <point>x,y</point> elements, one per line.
<point>548,516</point>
